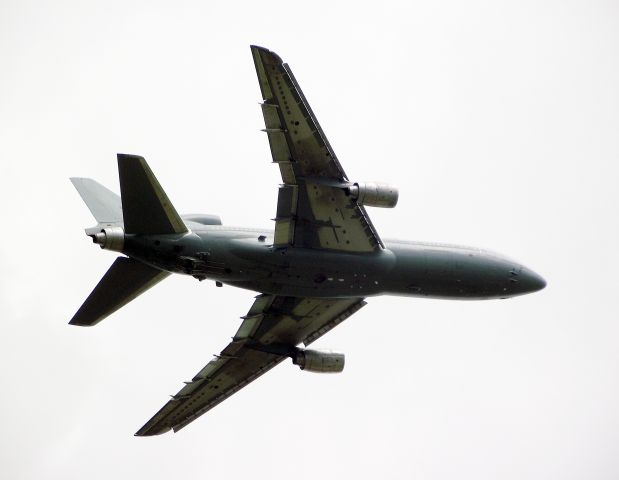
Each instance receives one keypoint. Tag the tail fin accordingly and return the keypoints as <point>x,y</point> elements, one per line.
<point>104,204</point>
<point>146,207</point>
<point>142,208</point>
<point>125,280</point>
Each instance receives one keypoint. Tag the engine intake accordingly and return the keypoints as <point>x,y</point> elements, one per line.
<point>319,362</point>
<point>374,194</point>
<point>111,238</point>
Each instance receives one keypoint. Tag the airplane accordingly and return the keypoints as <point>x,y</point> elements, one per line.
<point>313,271</point>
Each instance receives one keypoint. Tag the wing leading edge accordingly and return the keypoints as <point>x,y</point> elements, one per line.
<point>313,208</point>
<point>274,323</point>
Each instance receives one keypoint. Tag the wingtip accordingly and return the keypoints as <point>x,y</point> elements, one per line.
<point>274,56</point>
<point>83,318</point>
<point>80,320</point>
<point>128,157</point>
<point>77,180</point>
<point>76,324</point>
<point>145,432</point>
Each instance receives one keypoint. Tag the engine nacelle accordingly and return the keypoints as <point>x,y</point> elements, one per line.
<point>317,361</point>
<point>374,194</point>
<point>111,238</point>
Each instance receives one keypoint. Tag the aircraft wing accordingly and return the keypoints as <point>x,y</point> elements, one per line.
<point>313,208</point>
<point>273,326</point>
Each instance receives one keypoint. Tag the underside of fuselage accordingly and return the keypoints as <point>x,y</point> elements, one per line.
<point>246,258</point>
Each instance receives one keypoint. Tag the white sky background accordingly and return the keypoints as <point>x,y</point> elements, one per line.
<point>499,123</point>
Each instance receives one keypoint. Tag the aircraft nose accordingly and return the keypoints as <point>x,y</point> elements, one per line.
<point>529,281</point>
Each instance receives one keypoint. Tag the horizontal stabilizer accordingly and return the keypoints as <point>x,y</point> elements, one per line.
<point>146,207</point>
<point>104,204</point>
<point>125,280</point>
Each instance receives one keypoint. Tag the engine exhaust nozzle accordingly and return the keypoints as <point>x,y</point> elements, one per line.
<point>112,238</point>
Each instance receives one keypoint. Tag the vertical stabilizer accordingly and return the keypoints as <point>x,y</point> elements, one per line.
<point>146,207</point>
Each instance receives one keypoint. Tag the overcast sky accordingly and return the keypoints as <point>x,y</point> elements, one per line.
<point>498,120</point>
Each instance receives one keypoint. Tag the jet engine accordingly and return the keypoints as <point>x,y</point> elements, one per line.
<point>317,361</point>
<point>374,194</point>
<point>111,238</point>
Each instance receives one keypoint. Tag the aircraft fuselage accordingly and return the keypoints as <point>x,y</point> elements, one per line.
<point>246,258</point>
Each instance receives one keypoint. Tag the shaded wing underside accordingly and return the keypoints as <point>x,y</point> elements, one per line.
<point>313,208</point>
<point>273,324</point>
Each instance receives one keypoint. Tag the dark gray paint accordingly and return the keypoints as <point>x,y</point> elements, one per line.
<point>239,258</point>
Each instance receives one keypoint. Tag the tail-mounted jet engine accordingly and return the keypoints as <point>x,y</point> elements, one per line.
<point>317,361</point>
<point>374,194</point>
<point>110,238</point>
